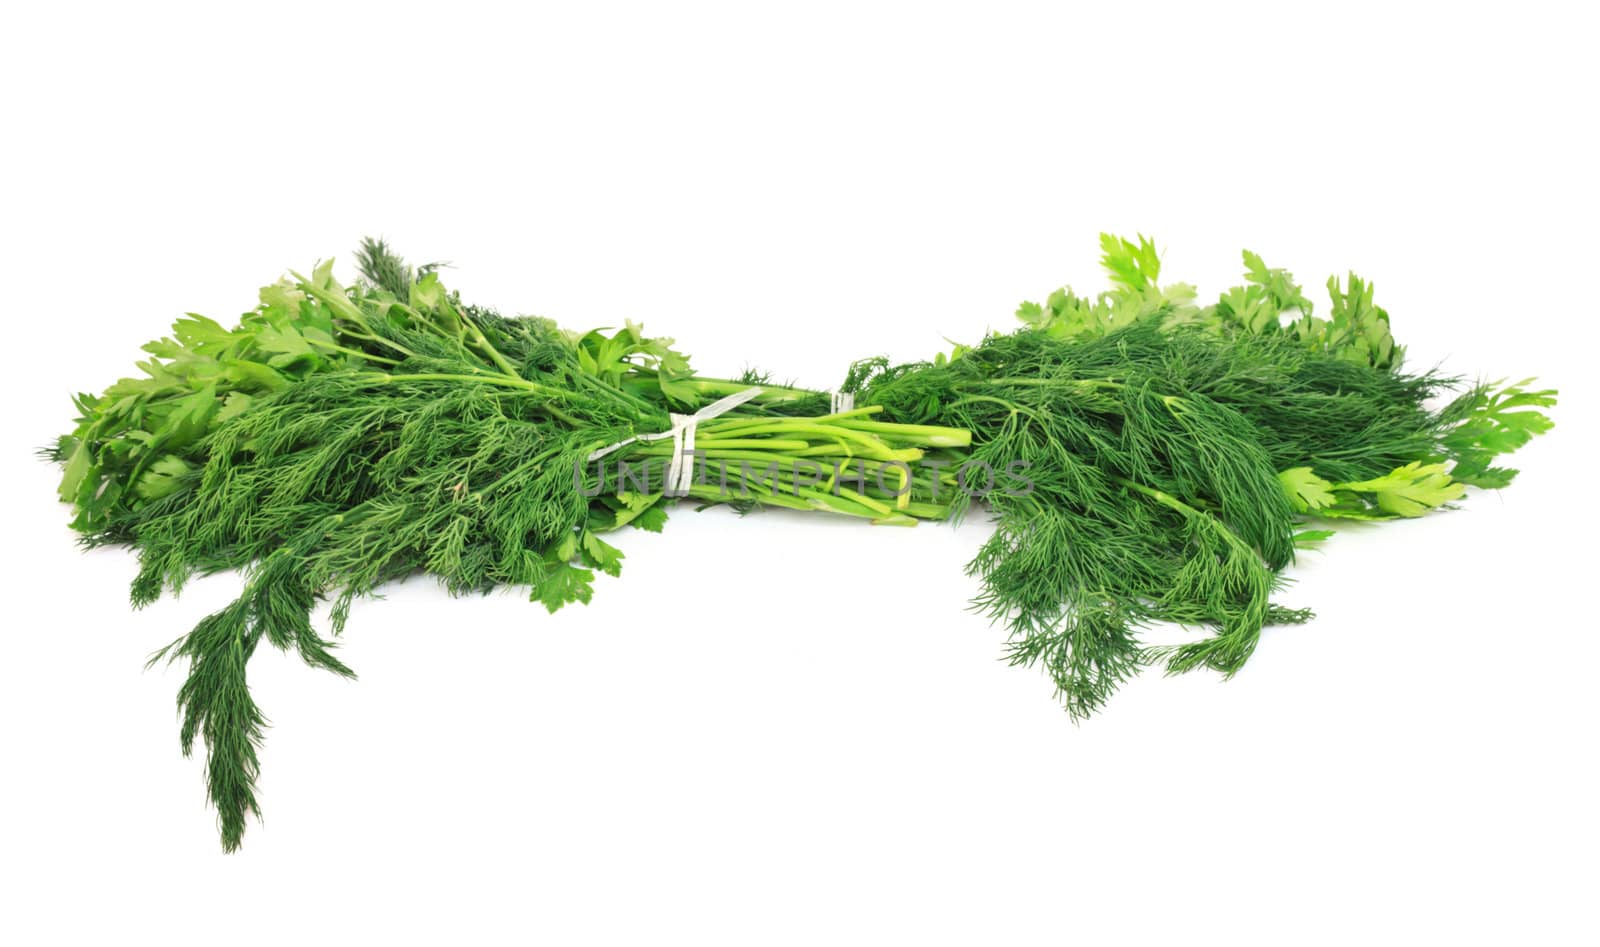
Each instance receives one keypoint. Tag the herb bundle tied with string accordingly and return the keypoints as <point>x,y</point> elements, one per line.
<point>1176,456</point>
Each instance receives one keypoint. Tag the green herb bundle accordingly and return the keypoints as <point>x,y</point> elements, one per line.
<point>1179,455</point>
<point>1166,461</point>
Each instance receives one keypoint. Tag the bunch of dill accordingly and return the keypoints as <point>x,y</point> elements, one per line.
<point>1177,453</point>
<point>1174,456</point>
<point>342,437</point>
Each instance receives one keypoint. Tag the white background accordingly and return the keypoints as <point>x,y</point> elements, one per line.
<point>823,747</point>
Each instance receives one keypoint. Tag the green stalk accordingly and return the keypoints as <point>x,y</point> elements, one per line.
<point>925,435</point>
<point>335,347</point>
<point>718,387</point>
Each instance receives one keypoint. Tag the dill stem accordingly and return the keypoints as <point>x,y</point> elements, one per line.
<point>1160,496</point>
<point>804,426</point>
<point>626,397</point>
<point>488,349</point>
<point>1012,406</point>
<point>862,412</point>
<point>758,443</point>
<point>1190,512</point>
<point>769,393</point>
<point>369,336</point>
<point>1048,382</point>
<point>507,381</point>
<point>785,488</point>
<point>526,465</point>
<point>926,434</point>
<point>336,347</point>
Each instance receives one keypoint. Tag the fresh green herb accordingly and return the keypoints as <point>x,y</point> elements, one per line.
<point>434,437</point>
<point>1163,462</point>
<point>1178,451</point>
